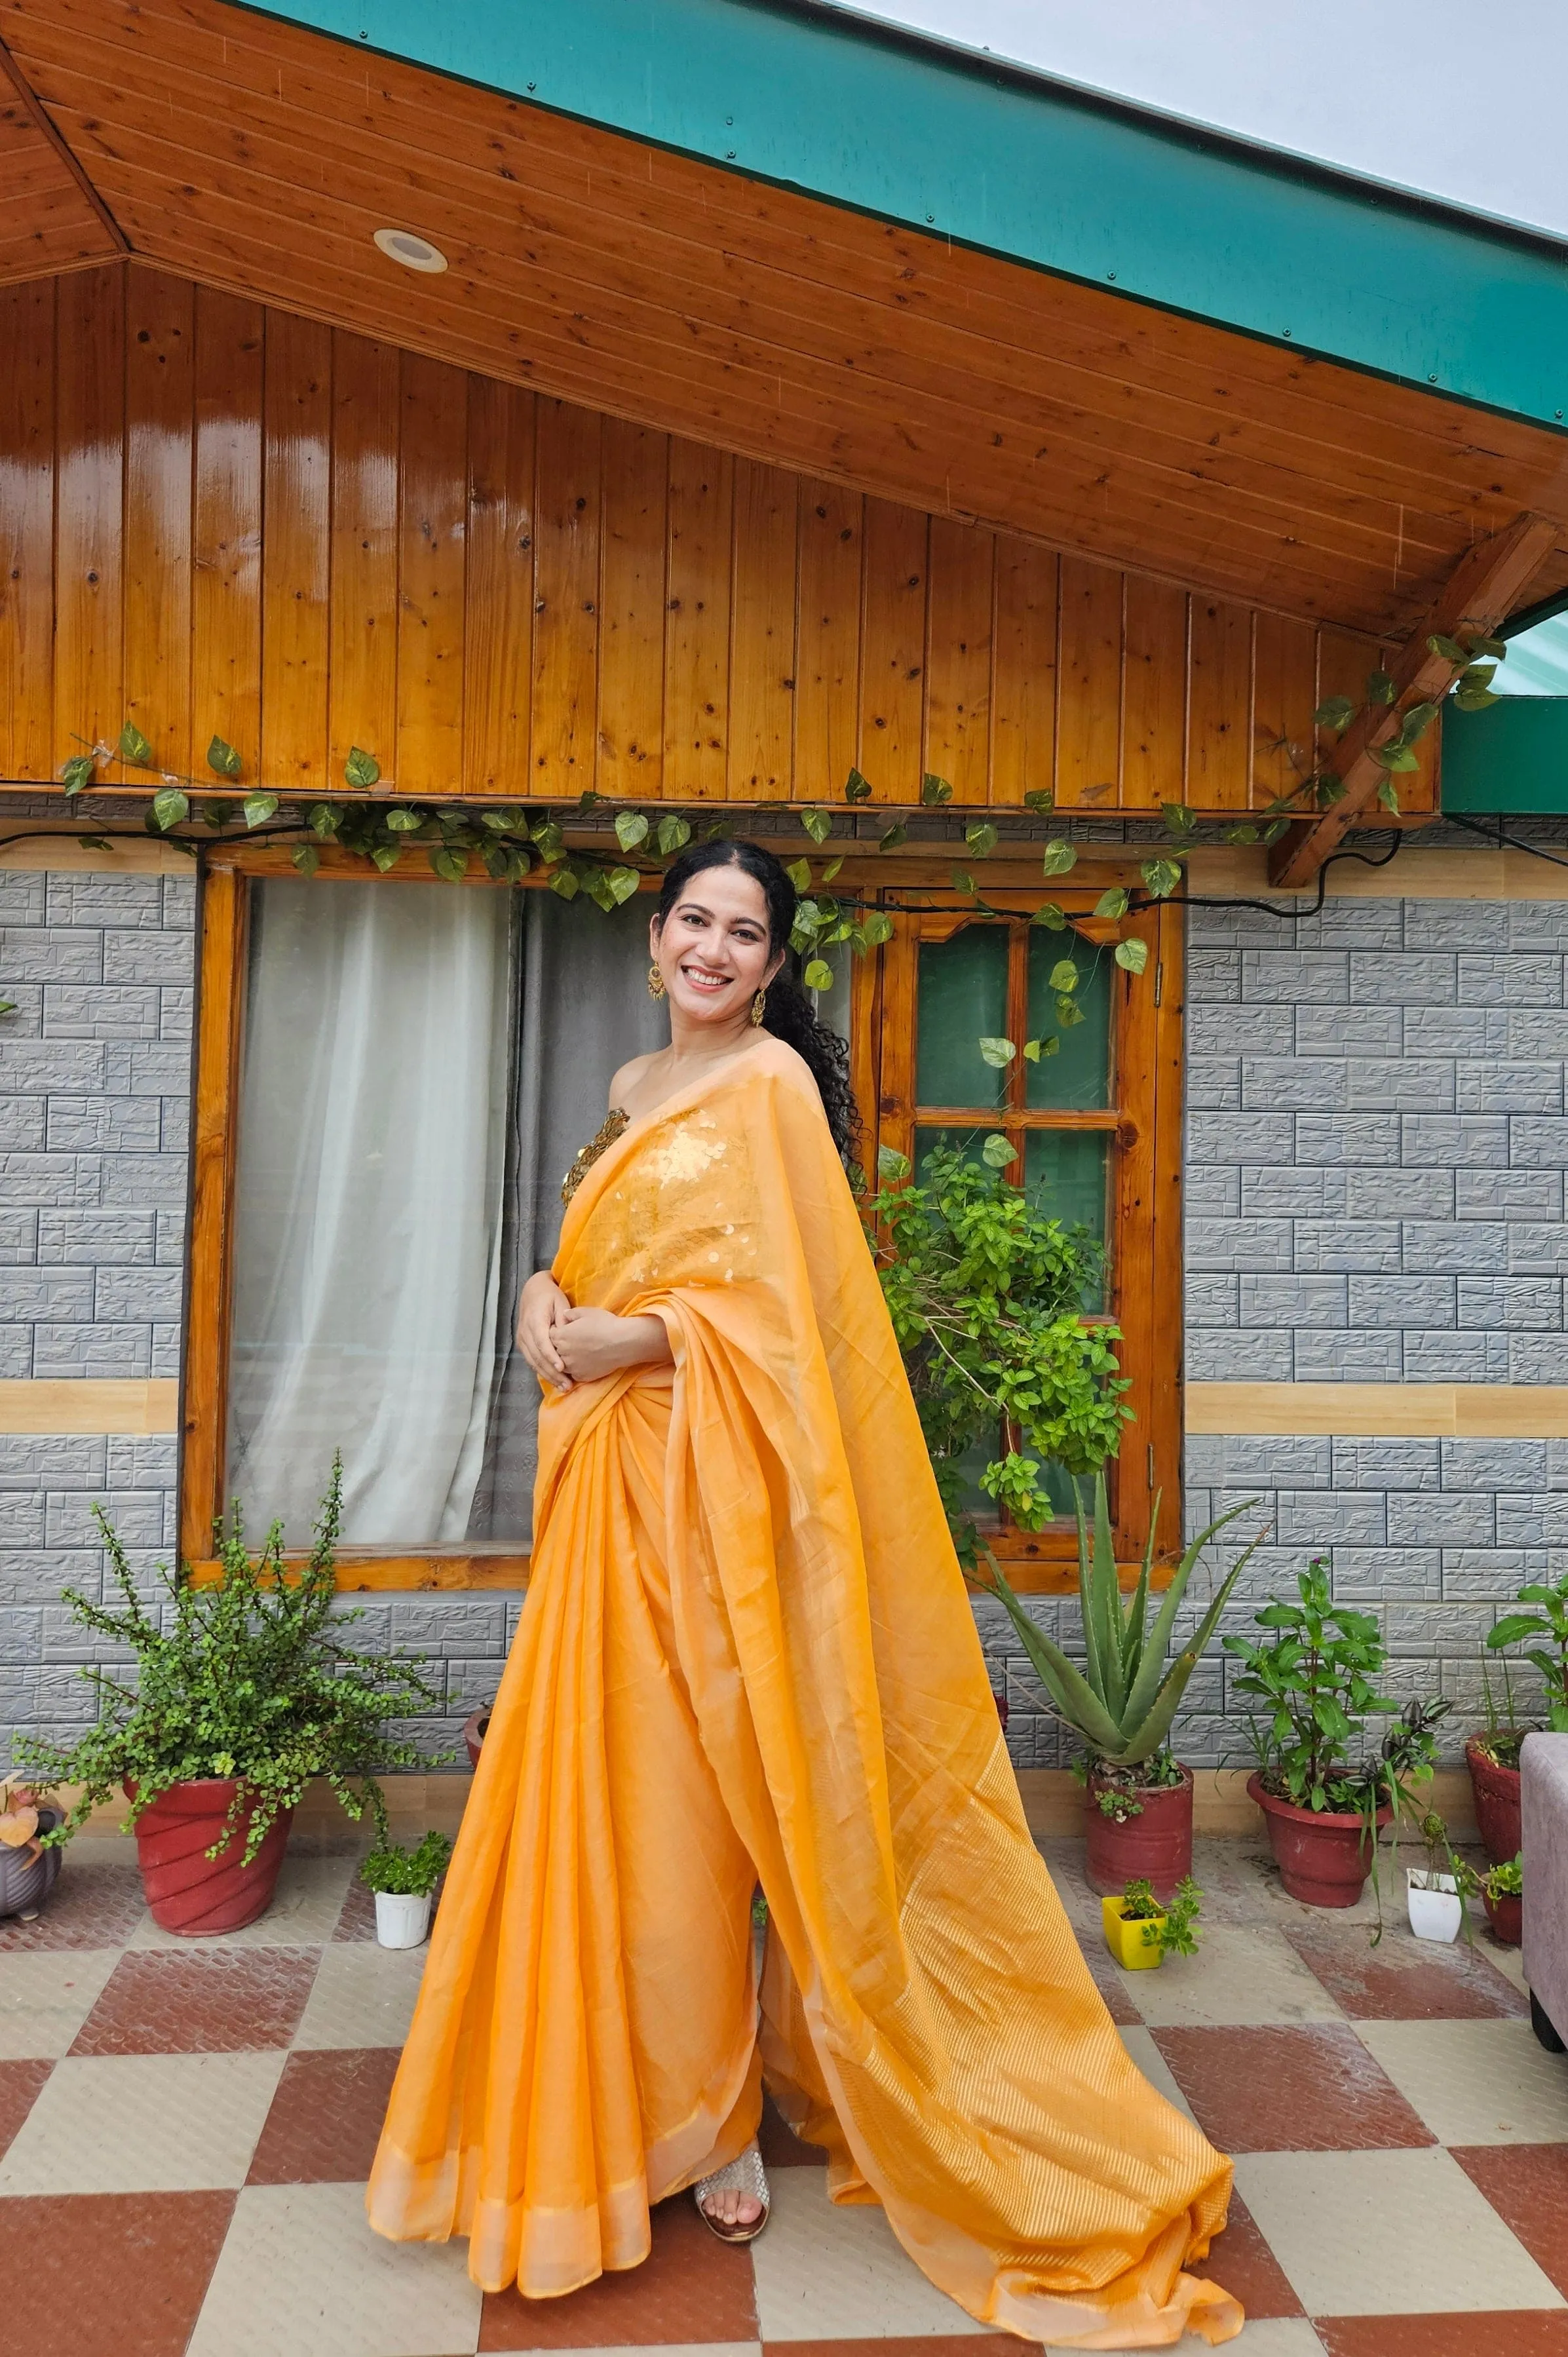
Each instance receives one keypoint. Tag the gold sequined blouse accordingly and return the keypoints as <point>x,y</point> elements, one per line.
<point>586,1156</point>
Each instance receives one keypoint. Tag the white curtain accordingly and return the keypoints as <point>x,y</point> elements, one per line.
<point>371,1161</point>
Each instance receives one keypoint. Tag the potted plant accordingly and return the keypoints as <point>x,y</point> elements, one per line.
<point>1501,1892</point>
<point>1123,1700</point>
<point>1434,1892</point>
<point>1323,1809</point>
<point>405,1882</point>
<point>1141,1930</point>
<point>29,1872</point>
<point>244,1691</point>
<point>1492,1755</point>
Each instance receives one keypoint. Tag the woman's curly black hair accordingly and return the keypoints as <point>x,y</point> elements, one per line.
<point>790,1016</point>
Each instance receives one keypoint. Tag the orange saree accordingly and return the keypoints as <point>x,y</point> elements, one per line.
<point>747,1655</point>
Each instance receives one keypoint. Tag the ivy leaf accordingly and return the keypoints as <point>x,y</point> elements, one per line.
<point>891,1166</point>
<point>997,1053</point>
<point>77,773</point>
<point>1068,1012</point>
<point>1497,647</point>
<point>857,789</point>
<point>402,821</point>
<point>362,768</point>
<point>1179,818</point>
<point>1112,903</point>
<point>673,835</point>
<point>1246,834</point>
<point>323,820</point>
<point>1050,1047</point>
<point>1449,649</point>
<point>170,805</point>
<point>1479,674</point>
<point>1132,956</point>
<point>222,760</point>
<point>818,974</point>
<point>88,843</point>
<point>1161,875</point>
<point>549,837</point>
<point>1031,1051</point>
<point>386,854</point>
<point>307,857</point>
<point>980,838</point>
<point>134,747</point>
<point>799,871</point>
<point>1473,699</point>
<point>896,833</point>
<point>1388,794</point>
<point>1380,688</point>
<point>877,929</point>
<point>934,788</point>
<point>1393,756</point>
<point>588,800</point>
<point>962,881</point>
<point>564,882</point>
<point>1063,975</point>
<point>996,1153</point>
<point>1417,720</point>
<point>1051,915</point>
<point>1041,799</point>
<point>256,809</point>
<point>631,828</point>
<point>1334,712</point>
<point>597,887</point>
<point>832,869</point>
<point>1059,856</point>
<point>622,882</point>
<point>450,865</point>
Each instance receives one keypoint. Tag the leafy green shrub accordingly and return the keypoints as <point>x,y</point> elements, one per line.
<point>986,1293</point>
<point>1549,1624</point>
<point>247,1678</point>
<point>409,1872</point>
<point>1175,1918</point>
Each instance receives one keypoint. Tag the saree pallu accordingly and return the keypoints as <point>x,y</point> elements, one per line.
<point>747,1655</point>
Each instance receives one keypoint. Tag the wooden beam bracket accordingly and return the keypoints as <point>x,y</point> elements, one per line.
<point>1482,592</point>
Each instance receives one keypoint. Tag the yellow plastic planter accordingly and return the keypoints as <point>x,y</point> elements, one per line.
<point>1135,1946</point>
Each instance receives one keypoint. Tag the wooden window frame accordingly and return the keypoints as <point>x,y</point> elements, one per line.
<point>1145,1294</point>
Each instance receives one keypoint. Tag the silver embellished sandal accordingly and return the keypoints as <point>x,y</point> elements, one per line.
<point>744,2174</point>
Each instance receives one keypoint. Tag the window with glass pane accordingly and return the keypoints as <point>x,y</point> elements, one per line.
<point>993,981</point>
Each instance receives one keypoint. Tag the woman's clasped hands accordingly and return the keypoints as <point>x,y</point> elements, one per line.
<point>566,1345</point>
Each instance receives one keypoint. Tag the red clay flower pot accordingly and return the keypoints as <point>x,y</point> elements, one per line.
<point>474,1728</point>
<point>1497,1791</point>
<point>189,1892</point>
<point>1507,1917</point>
<point>1323,1858</point>
<point>1155,1846</point>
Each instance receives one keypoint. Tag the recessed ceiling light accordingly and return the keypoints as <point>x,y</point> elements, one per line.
<point>415,252</point>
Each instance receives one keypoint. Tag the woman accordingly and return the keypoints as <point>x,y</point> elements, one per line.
<point>748,1656</point>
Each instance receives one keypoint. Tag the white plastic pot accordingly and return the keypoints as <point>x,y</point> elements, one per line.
<point>402,1918</point>
<point>1436,1909</point>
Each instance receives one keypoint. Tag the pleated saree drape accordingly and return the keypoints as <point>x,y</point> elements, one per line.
<point>747,1654</point>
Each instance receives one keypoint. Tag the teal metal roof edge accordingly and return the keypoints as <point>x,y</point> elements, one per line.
<point>872,119</point>
<point>1511,759</point>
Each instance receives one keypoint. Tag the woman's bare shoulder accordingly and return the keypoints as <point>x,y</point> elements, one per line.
<point>625,1078</point>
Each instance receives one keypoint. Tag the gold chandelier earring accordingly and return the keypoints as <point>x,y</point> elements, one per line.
<point>759,1009</point>
<point>655,983</point>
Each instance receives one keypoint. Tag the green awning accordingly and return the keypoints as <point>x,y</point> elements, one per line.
<point>1512,758</point>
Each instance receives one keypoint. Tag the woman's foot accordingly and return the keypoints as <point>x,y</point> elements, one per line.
<point>733,2201</point>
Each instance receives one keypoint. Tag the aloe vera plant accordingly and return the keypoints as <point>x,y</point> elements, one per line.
<point>1122,1701</point>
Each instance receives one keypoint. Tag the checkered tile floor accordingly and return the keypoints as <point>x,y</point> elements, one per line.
<point>185,2130</point>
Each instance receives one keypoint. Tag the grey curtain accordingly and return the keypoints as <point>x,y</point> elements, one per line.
<point>583,1011</point>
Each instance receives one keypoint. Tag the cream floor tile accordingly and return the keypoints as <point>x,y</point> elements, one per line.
<point>1140,2045</point>
<point>143,2123</point>
<point>824,2273</point>
<point>362,1995</point>
<point>45,1998</point>
<point>1509,1962</point>
<point>1475,2081</point>
<point>1262,2336</point>
<point>301,2275</point>
<point>304,1913</point>
<point>1388,2233</point>
<point>1239,1978</point>
<point>665,2349</point>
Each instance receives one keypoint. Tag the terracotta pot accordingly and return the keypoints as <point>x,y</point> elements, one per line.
<point>26,1882</point>
<point>1155,1846</point>
<point>1507,1918</point>
<point>189,1892</point>
<point>473,1727</point>
<point>1001,1701</point>
<point>1497,1791</point>
<point>1324,1857</point>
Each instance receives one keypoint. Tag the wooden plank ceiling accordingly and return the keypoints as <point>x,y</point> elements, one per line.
<point>217,518</point>
<point>48,220</point>
<point>259,157</point>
